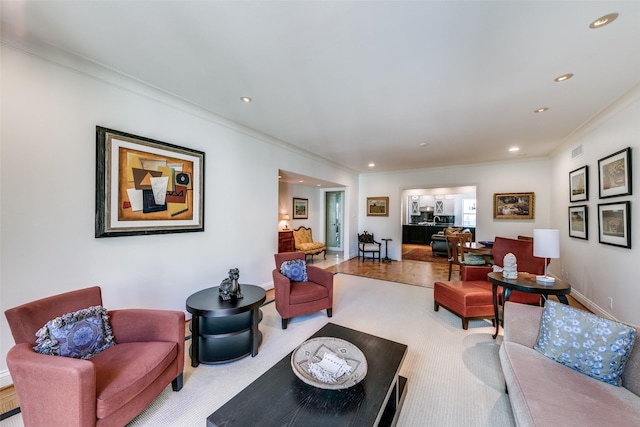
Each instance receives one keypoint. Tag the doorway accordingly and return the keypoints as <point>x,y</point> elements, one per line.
<point>334,212</point>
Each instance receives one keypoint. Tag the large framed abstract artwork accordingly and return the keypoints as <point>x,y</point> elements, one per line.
<point>144,186</point>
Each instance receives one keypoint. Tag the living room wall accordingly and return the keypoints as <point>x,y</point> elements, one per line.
<point>51,104</point>
<point>596,270</point>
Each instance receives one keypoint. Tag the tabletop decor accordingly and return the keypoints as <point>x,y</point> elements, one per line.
<point>614,224</point>
<point>377,206</point>
<point>229,287</point>
<point>513,205</point>
<point>144,186</point>
<point>614,174</point>
<point>510,266</point>
<point>336,363</point>
<point>579,184</point>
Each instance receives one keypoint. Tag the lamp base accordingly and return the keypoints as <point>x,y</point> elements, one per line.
<point>545,279</point>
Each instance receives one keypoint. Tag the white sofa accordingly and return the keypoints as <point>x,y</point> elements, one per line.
<point>546,393</point>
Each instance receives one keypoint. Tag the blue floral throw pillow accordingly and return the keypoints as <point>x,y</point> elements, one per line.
<point>295,270</point>
<point>592,345</point>
<point>79,335</point>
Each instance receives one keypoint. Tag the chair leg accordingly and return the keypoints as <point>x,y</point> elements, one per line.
<point>329,311</point>
<point>284,323</point>
<point>449,272</point>
<point>176,384</point>
<point>436,306</point>
<point>465,323</point>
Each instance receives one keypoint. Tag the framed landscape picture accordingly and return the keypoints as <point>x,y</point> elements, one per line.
<point>614,174</point>
<point>144,186</point>
<point>614,224</point>
<point>579,184</point>
<point>300,208</point>
<point>377,206</point>
<point>578,222</point>
<point>513,205</point>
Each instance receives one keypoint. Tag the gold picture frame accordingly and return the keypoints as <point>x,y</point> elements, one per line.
<point>377,206</point>
<point>513,205</point>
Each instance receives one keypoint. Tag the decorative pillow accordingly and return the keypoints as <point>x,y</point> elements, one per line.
<point>80,335</point>
<point>589,344</point>
<point>295,270</point>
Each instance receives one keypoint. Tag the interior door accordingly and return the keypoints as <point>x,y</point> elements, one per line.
<point>334,205</point>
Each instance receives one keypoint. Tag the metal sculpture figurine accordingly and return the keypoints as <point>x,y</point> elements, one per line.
<point>229,287</point>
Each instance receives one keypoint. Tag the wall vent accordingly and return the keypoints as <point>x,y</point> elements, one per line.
<point>576,152</point>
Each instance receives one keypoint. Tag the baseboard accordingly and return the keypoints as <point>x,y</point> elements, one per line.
<point>595,309</point>
<point>5,378</point>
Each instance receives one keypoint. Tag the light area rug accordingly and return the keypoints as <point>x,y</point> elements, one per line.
<point>454,376</point>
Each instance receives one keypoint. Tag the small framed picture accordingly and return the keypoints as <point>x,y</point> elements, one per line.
<point>614,224</point>
<point>579,184</point>
<point>513,205</point>
<point>578,222</point>
<point>300,208</point>
<point>614,174</point>
<point>377,206</point>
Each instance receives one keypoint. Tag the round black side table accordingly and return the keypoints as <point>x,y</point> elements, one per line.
<point>224,331</point>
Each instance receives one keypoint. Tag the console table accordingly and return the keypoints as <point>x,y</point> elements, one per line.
<point>224,331</point>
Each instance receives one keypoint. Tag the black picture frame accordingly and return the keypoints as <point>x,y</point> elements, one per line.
<point>614,224</point>
<point>614,174</point>
<point>579,184</point>
<point>579,222</point>
<point>144,186</point>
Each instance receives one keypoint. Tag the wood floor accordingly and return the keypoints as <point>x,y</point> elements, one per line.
<point>412,272</point>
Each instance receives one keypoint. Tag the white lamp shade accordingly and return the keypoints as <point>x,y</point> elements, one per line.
<point>546,243</point>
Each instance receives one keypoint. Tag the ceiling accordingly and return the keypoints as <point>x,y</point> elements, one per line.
<point>402,84</point>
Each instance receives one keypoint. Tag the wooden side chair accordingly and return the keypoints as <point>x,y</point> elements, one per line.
<point>456,244</point>
<point>367,244</point>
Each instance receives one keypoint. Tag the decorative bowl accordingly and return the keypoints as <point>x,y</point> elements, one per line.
<point>313,350</point>
<point>486,243</point>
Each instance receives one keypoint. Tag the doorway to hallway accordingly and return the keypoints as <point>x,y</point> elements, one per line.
<point>334,215</point>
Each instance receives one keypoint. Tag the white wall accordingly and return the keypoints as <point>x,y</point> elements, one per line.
<point>516,176</point>
<point>595,270</point>
<point>51,105</point>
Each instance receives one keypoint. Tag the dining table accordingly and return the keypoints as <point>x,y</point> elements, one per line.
<point>479,249</point>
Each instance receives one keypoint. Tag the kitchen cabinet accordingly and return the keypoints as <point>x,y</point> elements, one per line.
<point>421,234</point>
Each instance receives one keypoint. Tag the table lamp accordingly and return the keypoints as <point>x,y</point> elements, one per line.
<point>546,244</point>
<point>284,218</point>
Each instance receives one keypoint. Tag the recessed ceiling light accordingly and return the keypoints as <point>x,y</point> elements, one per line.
<point>541,110</point>
<point>563,77</point>
<point>424,144</point>
<point>514,149</point>
<point>371,165</point>
<point>301,181</point>
<point>245,99</point>
<point>319,185</point>
<point>604,20</point>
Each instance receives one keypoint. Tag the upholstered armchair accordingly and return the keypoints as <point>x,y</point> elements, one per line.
<point>367,244</point>
<point>296,298</point>
<point>303,241</point>
<point>111,387</point>
<point>527,263</point>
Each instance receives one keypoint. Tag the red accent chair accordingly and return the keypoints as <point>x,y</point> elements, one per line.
<point>472,298</point>
<point>299,298</point>
<point>527,263</point>
<point>109,389</point>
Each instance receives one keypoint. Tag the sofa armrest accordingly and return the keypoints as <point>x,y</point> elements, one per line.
<point>475,273</point>
<point>522,323</point>
<point>282,286</point>
<point>141,325</point>
<point>320,276</point>
<point>53,389</point>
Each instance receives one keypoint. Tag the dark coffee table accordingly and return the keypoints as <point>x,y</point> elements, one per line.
<point>279,397</point>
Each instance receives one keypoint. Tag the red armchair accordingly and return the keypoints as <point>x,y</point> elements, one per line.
<point>110,388</point>
<point>298,298</point>
<point>523,251</point>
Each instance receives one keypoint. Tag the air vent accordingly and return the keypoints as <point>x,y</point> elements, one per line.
<point>576,152</point>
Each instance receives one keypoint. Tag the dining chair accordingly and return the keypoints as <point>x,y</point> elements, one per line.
<point>456,245</point>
